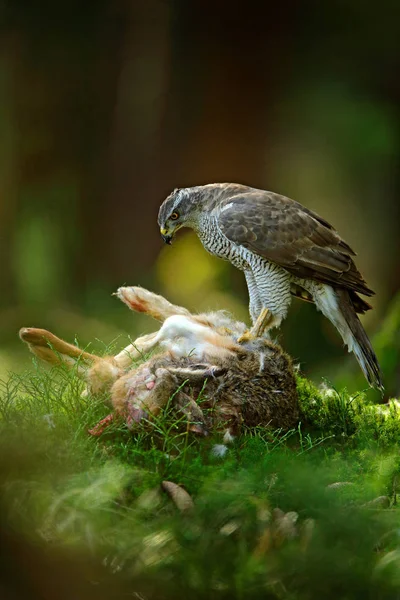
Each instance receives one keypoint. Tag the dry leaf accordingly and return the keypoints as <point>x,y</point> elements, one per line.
<point>178,495</point>
<point>379,502</point>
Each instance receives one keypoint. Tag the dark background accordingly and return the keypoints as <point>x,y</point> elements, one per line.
<point>107,106</point>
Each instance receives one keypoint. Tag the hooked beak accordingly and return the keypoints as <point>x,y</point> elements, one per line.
<point>167,238</point>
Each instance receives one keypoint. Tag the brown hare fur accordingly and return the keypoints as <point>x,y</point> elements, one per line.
<point>214,380</point>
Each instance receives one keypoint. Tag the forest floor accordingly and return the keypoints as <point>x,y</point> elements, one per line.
<point>308,513</point>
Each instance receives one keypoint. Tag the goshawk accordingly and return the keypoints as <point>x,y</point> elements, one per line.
<point>284,249</point>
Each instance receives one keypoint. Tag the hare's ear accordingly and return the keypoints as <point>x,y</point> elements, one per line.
<point>192,411</point>
<point>197,372</point>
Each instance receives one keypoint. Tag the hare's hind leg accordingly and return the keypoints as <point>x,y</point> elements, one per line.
<point>50,348</point>
<point>141,300</point>
<point>196,334</point>
<point>99,373</point>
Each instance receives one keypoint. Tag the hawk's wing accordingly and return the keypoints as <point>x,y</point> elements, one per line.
<point>288,234</point>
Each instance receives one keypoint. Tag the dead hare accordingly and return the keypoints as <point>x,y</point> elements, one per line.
<point>217,377</point>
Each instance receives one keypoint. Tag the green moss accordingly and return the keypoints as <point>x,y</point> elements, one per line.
<point>386,343</point>
<point>350,416</point>
<point>103,495</point>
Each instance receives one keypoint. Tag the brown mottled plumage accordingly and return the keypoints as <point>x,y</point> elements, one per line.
<point>298,239</point>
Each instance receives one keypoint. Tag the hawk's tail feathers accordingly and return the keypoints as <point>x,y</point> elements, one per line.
<point>359,342</point>
<point>360,305</point>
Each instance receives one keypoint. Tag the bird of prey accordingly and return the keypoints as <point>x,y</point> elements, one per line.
<point>284,249</point>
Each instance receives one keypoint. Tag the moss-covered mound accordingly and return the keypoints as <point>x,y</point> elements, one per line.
<point>306,513</point>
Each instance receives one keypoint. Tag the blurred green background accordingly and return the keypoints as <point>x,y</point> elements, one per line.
<point>107,105</point>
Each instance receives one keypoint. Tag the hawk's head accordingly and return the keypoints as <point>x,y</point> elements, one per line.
<point>180,209</point>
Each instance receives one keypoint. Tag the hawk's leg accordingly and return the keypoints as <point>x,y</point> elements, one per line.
<point>255,303</point>
<point>261,323</point>
<point>273,286</point>
<point>269,291</point>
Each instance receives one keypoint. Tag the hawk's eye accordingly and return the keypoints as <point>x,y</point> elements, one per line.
<point>174,216</point>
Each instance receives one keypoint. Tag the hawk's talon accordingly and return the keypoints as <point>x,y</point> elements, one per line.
<point>259,327</point>
<point>246,337</point>
<point>262,322</point>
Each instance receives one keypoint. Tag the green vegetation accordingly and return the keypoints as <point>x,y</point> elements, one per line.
<point>350,417</point>
<point>104,108</point>
<point>310,513</point>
